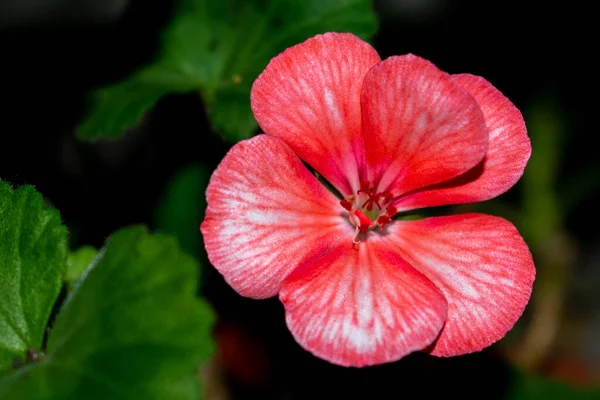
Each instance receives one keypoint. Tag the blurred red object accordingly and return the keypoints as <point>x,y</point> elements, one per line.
<point>242,356</point>
<point>569,370</point>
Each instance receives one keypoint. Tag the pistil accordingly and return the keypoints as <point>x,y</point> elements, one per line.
<point>367,206</point>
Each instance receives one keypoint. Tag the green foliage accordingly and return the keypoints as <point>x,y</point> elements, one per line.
<point>542,212</point>
<point>78,261</point>
<point>117,108</point>
<point>218,48</point>
<point>33,250</point>
<point>181,208</point>
<point>131,328</point>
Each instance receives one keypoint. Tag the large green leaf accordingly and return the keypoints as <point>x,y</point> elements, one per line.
<point>33,250</point>
<point>181,208</point>
<point>132,328</point>
<point>218,48</point>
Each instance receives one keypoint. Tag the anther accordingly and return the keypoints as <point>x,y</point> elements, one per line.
<point>383,220</point>
<point>391,210</point>
<point>365,187</point>
<point>347,204</point>
<point>386,196</point>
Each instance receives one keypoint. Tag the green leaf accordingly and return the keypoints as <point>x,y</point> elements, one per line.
<point>181,208</point>
<point>33,251</point>
<point>218,48</point>
<point>231,114</point>
<point>117,108</point>
<point>78,261</point>
<point>526,386</point>
<point>260,31</point>
<point>132,328</point>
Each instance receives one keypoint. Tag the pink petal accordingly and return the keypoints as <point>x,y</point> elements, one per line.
<point>483,267</point>
<point>508,152</point>
<point>364,306</point>
<point>266,213</point>
<point>309,96</point>
<point>421,127</point>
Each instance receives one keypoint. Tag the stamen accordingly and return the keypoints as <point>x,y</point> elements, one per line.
<point>362,223</point>
<point>383,221</point>
<point>391,210</point>
<point>365,187</point>
<point>347,204</point>
<point>355,239</point>
<point>386,196</point>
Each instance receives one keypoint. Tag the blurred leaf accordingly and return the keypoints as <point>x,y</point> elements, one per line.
<point>218,48</point>
<point>132,328</point>
<point>526,386</point>
<point>231,114</point>
<point>181,209</point>
<point>78,261</point>
<point>542,214</point>
<point>33,251</point>
<point>117,108</point>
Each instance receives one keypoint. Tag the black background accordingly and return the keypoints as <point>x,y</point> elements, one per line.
<point>50,60</point>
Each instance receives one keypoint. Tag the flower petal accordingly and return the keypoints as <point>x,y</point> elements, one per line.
<point>421,127</point>
<point>266,213</point>
<point>483,267</point>
<point>508,152</point>
<point>309,96</point>
<point>359,307</point>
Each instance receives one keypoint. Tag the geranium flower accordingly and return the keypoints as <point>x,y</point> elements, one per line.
<point>359,286</point>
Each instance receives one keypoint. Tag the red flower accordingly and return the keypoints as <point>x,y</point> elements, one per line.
<point>358,287</point>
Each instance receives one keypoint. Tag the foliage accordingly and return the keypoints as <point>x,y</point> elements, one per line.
<point>116,335</point>
<point>218,48</point>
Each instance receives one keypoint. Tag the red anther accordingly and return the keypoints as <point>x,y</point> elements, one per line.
<point>365,187</point>
<point>383,220</point>
<point>347,204</point>
<point>391,210</point>
<point>386,196</point>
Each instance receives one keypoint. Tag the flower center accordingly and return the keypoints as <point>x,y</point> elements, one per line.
<point>368,209</point>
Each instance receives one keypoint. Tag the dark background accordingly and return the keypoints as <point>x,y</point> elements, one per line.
<point>52,53</point>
